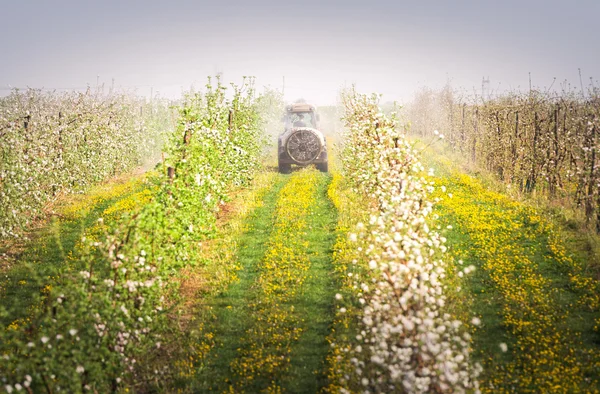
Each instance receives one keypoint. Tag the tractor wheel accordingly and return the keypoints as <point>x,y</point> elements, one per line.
<point>285,168</point>
<point>322,167</point>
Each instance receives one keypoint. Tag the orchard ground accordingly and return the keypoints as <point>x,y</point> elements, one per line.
<point>533,293</point>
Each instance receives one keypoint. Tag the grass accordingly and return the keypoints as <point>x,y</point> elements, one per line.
<point>532,289</point>
<point>230,308</point>
<point>45,258</point>
<point>535,287</point>
<point>235,310</point>
<point>308,373</point>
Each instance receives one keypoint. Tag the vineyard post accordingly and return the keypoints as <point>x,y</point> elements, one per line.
<point>554,176</point>
<point>595,133</point>
<point>514,144</point>
<point>592,177</point>
<point>576,162</point>
<point>26,126</point>
<point>548,161</point>
<point>499,165</point>
<point>462,129</point>
<point>531,179</point>
<point>187,137</point>
<point>452,135</point>
<point>476,131</point>
<point>60,141</point>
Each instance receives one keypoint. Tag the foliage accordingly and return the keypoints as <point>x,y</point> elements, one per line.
<point>53,143</point>
<point>92,329</point>
<point>271,109</point>
<point>406,341</point>
<point>534,142</point>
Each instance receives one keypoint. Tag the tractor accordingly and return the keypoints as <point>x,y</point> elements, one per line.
<point>301,143</point>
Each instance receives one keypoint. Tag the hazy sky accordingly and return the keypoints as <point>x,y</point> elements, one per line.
<point>391,47</point>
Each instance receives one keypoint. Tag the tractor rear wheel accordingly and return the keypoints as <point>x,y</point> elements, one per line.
<point>322,167</point>
<point>285,168</point>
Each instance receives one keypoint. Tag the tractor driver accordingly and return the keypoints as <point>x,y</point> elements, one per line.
<point>300,122</point>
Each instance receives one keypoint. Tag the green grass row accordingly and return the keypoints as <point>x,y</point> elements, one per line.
<point>534,289</point>
<point>33,266</point>
<point>240,310</point>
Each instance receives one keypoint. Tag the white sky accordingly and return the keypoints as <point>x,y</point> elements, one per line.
<point>390,47</point>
